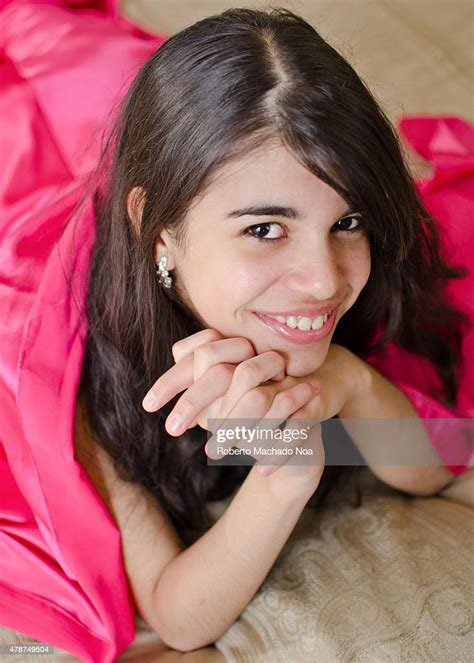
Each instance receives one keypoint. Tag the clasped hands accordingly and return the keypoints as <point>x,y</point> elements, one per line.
<point>223,378</point>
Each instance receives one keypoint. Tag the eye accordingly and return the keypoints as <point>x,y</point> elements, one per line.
<point>273,232</point>
<point>347,221</point>
<point>262,232</point>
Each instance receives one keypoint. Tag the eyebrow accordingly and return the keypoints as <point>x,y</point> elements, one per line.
<point>273,210</point>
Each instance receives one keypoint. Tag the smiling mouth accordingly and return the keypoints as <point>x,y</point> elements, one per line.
<point>302,322</point>
<point>299,329</point>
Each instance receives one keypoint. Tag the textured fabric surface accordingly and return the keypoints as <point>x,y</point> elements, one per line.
<point>389,581</point>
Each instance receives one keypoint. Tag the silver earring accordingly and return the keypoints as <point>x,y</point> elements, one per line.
<point>163,275</point>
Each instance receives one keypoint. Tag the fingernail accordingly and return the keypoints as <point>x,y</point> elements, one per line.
<point>149,400</point>
<point>174,423</point>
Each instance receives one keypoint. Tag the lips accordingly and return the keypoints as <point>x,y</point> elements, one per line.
<point>297,336</point>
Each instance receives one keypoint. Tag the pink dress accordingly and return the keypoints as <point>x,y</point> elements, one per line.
<point>62,578</point>
<point>448,144</point>
<point>63,67</point>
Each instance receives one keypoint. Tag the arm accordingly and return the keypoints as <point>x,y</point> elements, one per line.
<point>377,397</point>
<point>205,589</point>
<point>190,597</point>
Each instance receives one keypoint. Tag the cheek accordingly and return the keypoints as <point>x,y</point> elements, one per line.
<point>358,264</point>
<point>222,283</point>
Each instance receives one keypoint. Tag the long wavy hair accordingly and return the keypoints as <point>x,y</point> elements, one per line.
<point>213,93</point>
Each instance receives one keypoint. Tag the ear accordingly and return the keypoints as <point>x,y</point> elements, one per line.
<point>135,203</point>
<point>164,245</point>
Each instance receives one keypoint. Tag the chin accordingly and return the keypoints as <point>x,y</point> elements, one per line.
<point>301,366</point>
<point>302,371</point>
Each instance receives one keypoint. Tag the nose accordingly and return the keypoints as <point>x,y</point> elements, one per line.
<point>316,271</point>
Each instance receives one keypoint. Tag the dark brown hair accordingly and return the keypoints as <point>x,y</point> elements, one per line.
<point>212,93</point>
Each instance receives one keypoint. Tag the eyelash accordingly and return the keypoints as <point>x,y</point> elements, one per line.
<point>359,228</point>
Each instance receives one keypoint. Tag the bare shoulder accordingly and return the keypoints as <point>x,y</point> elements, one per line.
<point>149,540</point>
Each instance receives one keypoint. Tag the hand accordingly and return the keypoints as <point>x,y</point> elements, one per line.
<point>340,378</point>
<point>203,370</point>
<point>205,364</point>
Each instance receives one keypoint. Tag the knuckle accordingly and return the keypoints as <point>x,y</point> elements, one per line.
<point>211,335</point>
<point>286,400</point>
<point>202,351</point>
<point>247,347</point>
<point>277,358</point>
<point>246,372</point>
<point>205,336</point>
<point>259,398</point>
<point>296,397</point>
<point>177,347</point>
<point>224,371</point>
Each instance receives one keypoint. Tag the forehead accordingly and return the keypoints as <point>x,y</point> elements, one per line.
<point>269,174</point>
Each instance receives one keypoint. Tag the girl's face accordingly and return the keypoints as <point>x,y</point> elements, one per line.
<point>243,265</point>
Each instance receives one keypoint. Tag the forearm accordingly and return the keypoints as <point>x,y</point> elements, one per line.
<point>205,588</point>
<point>378,398</point>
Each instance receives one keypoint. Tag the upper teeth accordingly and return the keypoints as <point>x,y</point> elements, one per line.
<point>302,322</point>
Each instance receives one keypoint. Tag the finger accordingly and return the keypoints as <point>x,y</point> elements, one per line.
<point>252,373</point>
<point>229,350</point>
<point>252,437</point>
<point>283,403</point>
<point>187,353</point>
<point>253,405</point>
<point>287,406</point>
<point>308,452</point>
<point>198,397</point>
<point>176,379</point>
<point>278,378</point>
<point>278,446</point>
<point>257,402</point>
<point>192,365</point>
<point>187,345</point>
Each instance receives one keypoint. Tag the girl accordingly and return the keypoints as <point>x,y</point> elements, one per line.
<point>251,189</point>
<point>255,187</point>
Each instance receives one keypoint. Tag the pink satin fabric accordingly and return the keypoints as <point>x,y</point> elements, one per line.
<point>63,68</point>
<point>448,145</point>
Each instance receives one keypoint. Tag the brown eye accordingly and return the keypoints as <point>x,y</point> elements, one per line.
<point>265,232</point>
<point>347,224</point>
